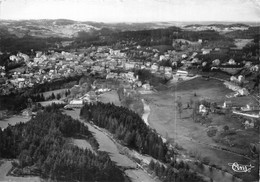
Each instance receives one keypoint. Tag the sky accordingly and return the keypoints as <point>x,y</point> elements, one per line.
<point>133,10</point>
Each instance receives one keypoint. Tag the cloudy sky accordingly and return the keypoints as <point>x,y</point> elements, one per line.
<point>133,10</point>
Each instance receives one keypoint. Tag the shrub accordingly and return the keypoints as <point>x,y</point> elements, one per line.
<point>206,160</point>
<point>212,131</point>
<point>225,128</point>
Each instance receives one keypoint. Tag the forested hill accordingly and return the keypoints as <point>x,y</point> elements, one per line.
<point>41,146</point>
<point>129,127</point>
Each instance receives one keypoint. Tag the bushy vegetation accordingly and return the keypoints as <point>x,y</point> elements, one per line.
<point>146,76</point>
<point>13,102</point>
<point>41,145</point>
<point>131,101</point>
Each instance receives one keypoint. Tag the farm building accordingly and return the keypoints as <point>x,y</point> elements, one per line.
<point>181,73</point>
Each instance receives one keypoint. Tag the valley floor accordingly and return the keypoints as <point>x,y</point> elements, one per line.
<point>191,136</point>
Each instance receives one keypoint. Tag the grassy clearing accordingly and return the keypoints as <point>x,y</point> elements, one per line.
<point>139,175</point>
<point>81,143</point>
<point>13,120</point>
<point>110,97</point>
<point>7,166</point>
<point>240,43</point>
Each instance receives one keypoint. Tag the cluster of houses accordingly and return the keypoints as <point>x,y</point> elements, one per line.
<point>239,91</point>
<point>46,67</point>
<point>216,28</point>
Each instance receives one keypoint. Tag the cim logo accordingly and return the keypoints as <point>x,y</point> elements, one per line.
<point>241,168</point>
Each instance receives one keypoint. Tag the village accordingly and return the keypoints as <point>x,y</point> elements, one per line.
<point>121,64</point>
<point>118,77</point>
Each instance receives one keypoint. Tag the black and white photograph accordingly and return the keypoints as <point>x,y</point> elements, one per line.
<point>129,90</point>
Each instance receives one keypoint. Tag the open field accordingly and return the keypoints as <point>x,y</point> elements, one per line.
<point>139,175</point>
<point>13,120</point>
<point>81,143</point>
<point>6,166</point>
<point>163,48</point>
<point>110,97</point>
<point>190,135</point>
<point>240,43</point>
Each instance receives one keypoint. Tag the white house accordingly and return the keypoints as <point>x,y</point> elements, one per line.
<point>241,78</point>
<point>227,104</point>
<point>129,66</point>
<point>243,91</point>
<point>13,58</point>
<point>181,73</point>
<point>76,102</point>
<point>162,57</point>
<point>216,62</point>
<point>202,109</point>
<point>232,62</point>
<point>206,51</point>
<point>183,56</point>
<point>154,67</point>
<point>146,86</point>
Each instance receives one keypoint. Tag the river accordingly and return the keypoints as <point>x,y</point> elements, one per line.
<point>146,112</point>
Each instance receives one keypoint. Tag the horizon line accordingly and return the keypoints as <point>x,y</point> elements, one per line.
<point>157,21</point>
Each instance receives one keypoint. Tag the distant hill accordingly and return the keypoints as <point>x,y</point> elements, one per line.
<point>45,28</point>
<point>46,34</point>
<point>69,28</point>
<point>218,25</point>
<point>250,33</point>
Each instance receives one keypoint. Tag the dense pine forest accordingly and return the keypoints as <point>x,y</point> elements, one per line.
<point>128,127</point>
<point>41,145</point>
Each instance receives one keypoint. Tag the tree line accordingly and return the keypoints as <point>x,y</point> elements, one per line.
<point>41,145</point>
<point>174,171</point>
<point>127,126</point>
